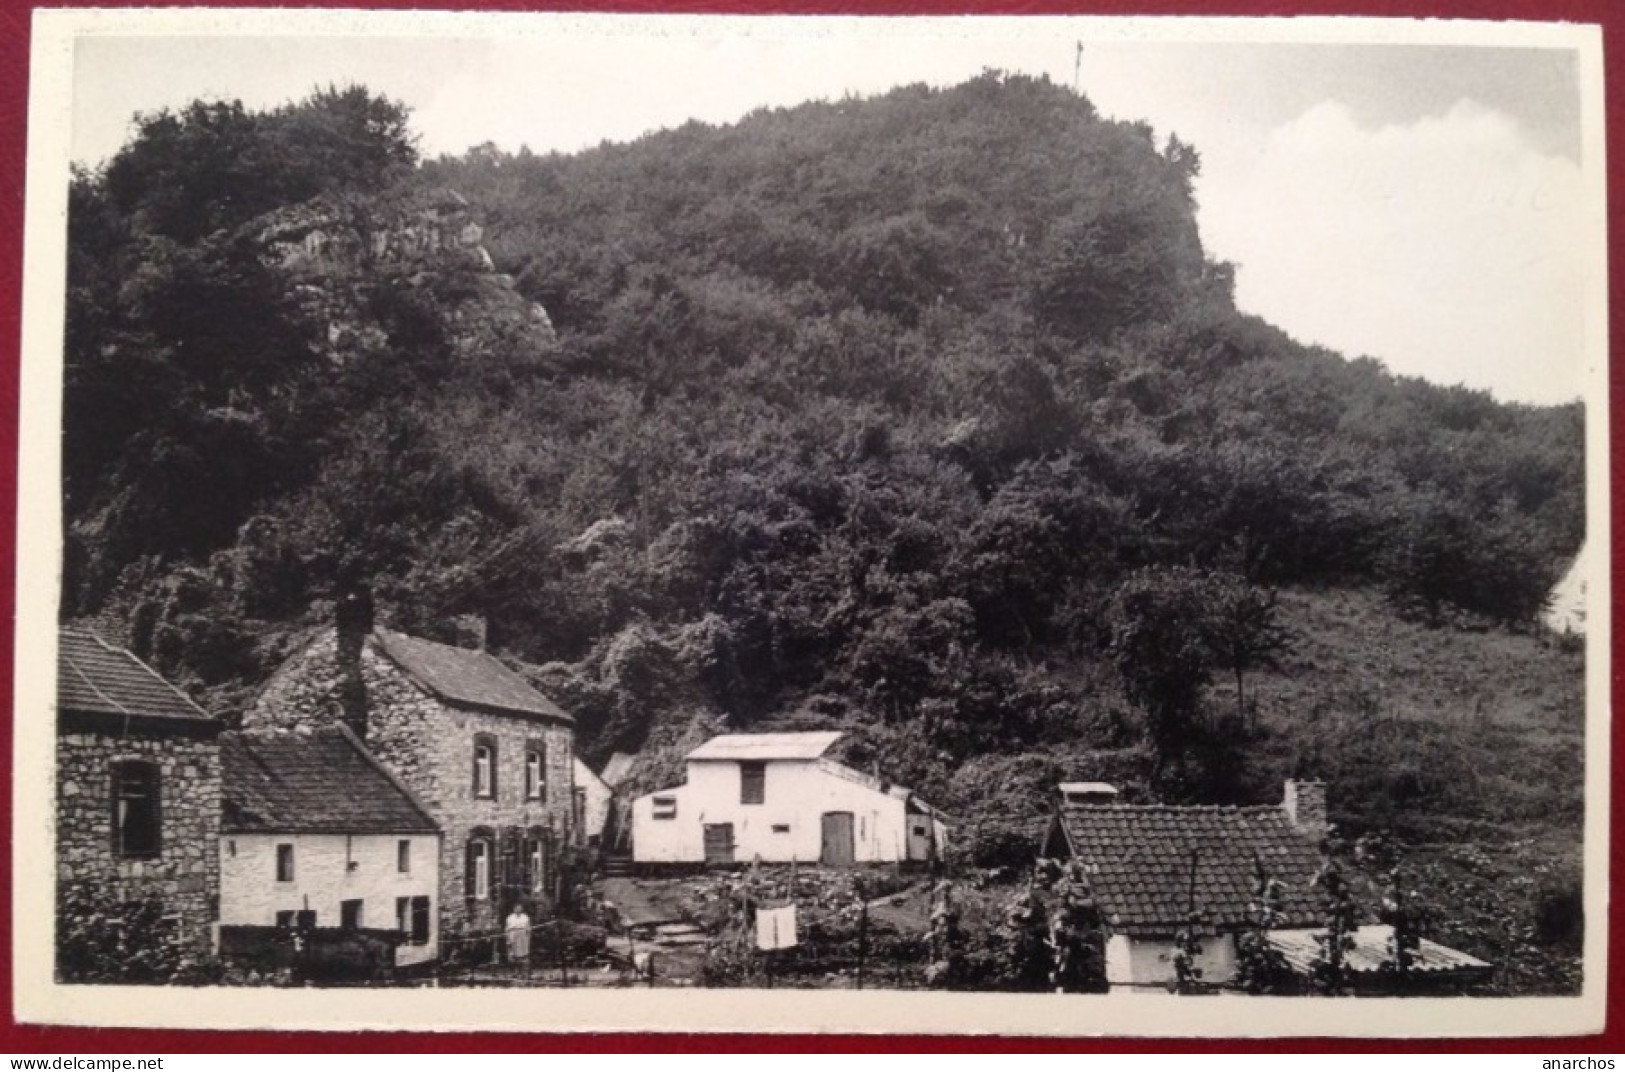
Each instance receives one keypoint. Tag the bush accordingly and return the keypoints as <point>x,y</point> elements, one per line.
<point>101,939</point>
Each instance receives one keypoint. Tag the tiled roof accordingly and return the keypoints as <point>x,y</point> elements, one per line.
<point>461,676</point>
<point>738,746</point>
<point>318,783</point>
<point>1370,949</point>
<point>95,677</point>
<point>1139,862</point>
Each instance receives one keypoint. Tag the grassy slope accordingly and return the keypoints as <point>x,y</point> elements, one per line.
<point>1465,749</point>
<point>1446,727</point>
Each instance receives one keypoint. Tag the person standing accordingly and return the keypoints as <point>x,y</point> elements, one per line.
<point>518,932</point>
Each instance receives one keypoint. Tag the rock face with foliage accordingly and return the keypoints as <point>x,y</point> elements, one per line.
<point>925,417</point>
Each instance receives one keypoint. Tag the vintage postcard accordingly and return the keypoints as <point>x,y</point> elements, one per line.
<point>1066,525</point>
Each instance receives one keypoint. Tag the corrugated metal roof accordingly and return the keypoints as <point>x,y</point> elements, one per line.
<point>96,677</point>
<point>461,676</point>
<point>1140,860</point>
<point>1102,788</point>
<point>317,783</point>
<point>738,746</point>
<point>1371,949</point>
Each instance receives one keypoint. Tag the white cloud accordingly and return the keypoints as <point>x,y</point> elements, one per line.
<point>1448,247</point>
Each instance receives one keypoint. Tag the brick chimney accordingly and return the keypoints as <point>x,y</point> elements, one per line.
<point>1305,806</point>
<point>471,631</point>
<point>352,623</point>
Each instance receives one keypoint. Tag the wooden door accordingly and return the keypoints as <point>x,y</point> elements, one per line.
<point>838,845</point>
<point>719,843</point>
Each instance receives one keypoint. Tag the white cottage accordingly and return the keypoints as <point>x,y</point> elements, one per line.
<point>313,825</point>
<point>1152,867</point>
<point>775,797</point>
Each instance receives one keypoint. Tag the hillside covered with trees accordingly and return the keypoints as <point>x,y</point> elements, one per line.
<point>923,417</point>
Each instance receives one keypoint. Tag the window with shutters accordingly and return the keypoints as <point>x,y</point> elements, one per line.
<point>485,766</point>
<point>136,822</point>
<point>284,863</point>
<point>477,879</point>
<point>752,782</point>
<point>535,770</point>
<point>420,921</point>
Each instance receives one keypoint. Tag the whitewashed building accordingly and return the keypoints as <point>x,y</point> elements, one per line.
<point>776,798</point>
<point>313,824</point>
<point>1156,868</point>
<point>592,799</point>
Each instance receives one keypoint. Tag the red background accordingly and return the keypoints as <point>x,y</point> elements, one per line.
<point>14,1038</point>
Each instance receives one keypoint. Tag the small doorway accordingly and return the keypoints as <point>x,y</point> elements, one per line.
<point>719,843</point>
<point>838,846</point>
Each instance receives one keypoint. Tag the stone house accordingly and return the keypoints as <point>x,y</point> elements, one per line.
<point>777,798</point>
<point>313,823</point>
<point>1151,866</point>
<point>487,756</point>
<point>137,788</point>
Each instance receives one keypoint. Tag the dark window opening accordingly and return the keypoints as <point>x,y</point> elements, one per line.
<point>412,919</point>
<point>284,920</point>
<point>350,914</point>
<point>664,808</point>
<point>752,782</point>
<point>403,856</point>
<point>136,823</point>
<point>284,863</point>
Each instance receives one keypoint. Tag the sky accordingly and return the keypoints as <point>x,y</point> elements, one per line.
<point>1420,204</point>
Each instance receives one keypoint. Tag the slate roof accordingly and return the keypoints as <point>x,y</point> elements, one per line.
<point>1139,859</point>
<point>94,677</point>
<point>737,746</point>
<point>466,678</point>
<point>318,783</point>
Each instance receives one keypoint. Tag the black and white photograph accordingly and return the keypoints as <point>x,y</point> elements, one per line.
<point>580,521</point>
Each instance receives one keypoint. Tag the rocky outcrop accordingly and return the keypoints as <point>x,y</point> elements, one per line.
<point>334,249</point>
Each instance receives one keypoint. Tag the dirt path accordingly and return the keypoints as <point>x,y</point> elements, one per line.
<point>642,904</point>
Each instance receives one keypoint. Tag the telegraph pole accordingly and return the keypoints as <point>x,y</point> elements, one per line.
<point>1077,70</point>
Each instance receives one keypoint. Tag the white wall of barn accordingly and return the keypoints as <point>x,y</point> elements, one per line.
<point>323,877</point>
<point>786,826</point>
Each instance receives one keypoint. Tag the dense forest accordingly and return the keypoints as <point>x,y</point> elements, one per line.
<point>925,417</point>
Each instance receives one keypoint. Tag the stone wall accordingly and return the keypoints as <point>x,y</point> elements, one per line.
<point>302,694</point>
<point>185,874</point>
<point>449,766</point>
